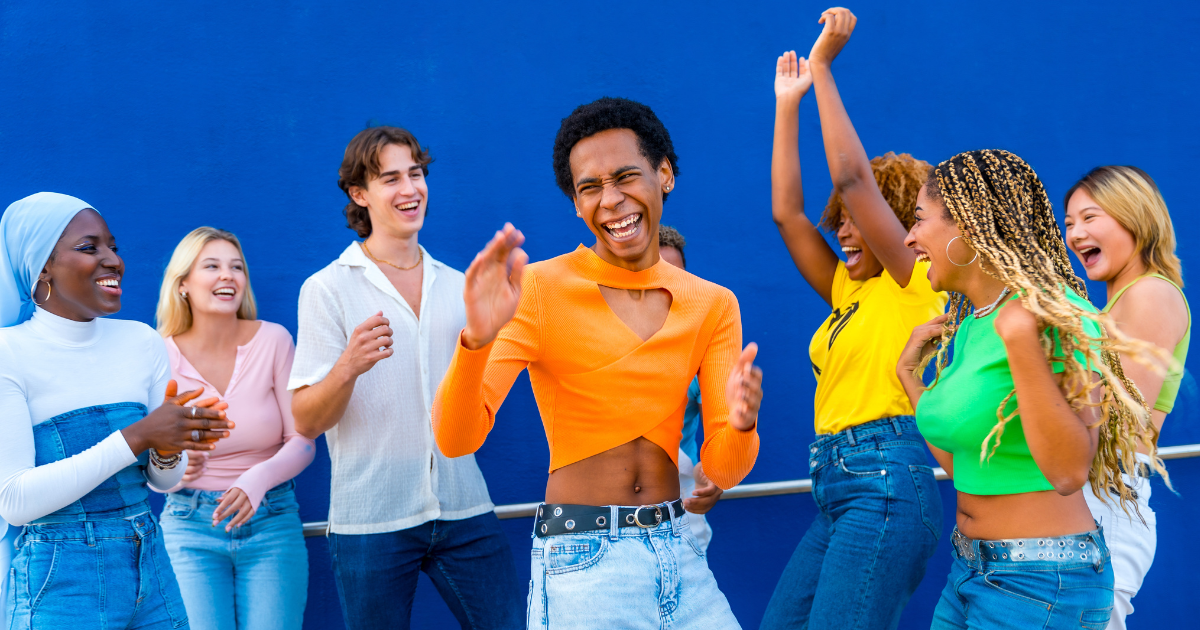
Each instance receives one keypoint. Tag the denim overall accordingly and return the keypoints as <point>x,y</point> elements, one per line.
<point>98,562</point>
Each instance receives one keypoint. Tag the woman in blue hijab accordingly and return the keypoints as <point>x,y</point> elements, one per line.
<point>81,409</point>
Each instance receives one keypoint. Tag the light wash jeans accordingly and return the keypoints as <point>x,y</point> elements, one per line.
<point>253,577</point>
<point>998,585</point>
<point>626,577</point>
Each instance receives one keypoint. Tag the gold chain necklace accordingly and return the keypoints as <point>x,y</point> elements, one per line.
<point>420,258</point>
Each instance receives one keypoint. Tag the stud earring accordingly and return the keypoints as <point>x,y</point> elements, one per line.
<point>183,294</point>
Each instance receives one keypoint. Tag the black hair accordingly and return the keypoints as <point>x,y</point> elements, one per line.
<point>602,115</point>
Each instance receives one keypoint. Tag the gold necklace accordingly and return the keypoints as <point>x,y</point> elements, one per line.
<point>420,258</point>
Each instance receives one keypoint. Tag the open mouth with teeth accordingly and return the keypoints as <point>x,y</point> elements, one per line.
<point>853,255</point>
<point>110,284</point>
<point>409,208</point>
<point>922,257</point>
<point>625,228</point>
<point>1089,255</point>
<point>225,293</point>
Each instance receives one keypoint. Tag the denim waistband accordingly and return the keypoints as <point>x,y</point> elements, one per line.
<point>138,526</point>
<point>1059,552</point>
<point>195,496</point>
<point>883,429</point>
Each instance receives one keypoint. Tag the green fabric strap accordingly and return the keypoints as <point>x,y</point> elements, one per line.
<point>1170,387</point>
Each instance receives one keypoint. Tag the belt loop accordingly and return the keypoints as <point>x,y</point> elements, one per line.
<point>194,500</point>
<point>91,533</point>
<point>614,526</point>
<point>674,521</point>
<point>537,516</point>
<point>896,425</point>
<point>850,436</point>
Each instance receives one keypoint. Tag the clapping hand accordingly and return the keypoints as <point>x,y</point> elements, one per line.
<point>743,391</point>
<point>706,494</point>
<point>493,287</point>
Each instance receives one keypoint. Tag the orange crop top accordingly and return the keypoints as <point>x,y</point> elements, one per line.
<point>597,384</point>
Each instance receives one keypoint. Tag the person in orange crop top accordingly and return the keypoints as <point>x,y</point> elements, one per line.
<point>612,336</point>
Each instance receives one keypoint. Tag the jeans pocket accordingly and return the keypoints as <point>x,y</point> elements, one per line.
<point>866,464</point>
<point>1024,586</point>
<point>178,506</point>
<point>574,554</point>
<point>1095,619</point>
<point>928,497</point>
<point>41,564</point>
<point>281,502</point>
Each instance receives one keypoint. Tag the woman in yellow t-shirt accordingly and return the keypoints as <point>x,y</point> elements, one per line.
<point>880,511</point>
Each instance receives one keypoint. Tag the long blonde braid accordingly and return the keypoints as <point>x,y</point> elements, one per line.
<point>1002,211</point>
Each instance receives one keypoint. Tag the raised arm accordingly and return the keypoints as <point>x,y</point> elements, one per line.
<point>502,336</point>
<point>1062,441</point>
<point>849,166</point>
<point>814,258</point>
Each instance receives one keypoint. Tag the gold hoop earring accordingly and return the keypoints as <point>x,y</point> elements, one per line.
<point>49,290</point>
<point>968,264</point>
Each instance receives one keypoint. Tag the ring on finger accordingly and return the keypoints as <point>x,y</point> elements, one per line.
<point>193,412</point>
<point>195,435</point>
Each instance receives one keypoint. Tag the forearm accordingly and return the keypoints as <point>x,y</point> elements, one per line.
<point>848,162</point>
<point>461,417</point>
<point>787,191</point>
<point>729,455</point>
<point>913,386</point>
<point>290,460</point>
<point>29,492</point>
<point>1059,440</point>
<point>320,407</point>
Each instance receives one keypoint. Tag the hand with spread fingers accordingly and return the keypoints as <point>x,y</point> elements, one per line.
<point>706,494</point>
<point>743,391</point>
<point>174,427</point>
<point>839,24</point>
<point>493,287</point>
<point>233,503</point>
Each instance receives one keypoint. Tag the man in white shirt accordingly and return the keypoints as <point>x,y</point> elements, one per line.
<point>377,330</point>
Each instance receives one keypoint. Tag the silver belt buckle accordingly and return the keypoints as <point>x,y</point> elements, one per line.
<point>657,516</point>
<point>963,545</point>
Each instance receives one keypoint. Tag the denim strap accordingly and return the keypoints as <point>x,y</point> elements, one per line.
<point>91,533</point>
<point>896,425</point>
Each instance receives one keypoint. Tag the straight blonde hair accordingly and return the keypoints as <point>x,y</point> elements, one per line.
<point>174,314</point>
<point>1129,195</point>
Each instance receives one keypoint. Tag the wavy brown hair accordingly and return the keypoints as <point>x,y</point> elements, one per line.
<point>361,164</point>
<point>1001,208</point>
<point>899,178</point>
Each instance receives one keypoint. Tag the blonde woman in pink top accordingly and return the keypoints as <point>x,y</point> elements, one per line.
<point>232,527</point>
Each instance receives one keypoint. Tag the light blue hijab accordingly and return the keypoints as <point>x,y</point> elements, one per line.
<point>29,230</point>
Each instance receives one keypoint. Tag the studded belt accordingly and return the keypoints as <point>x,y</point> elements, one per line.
<point>554,519</point>
<point>1074,548</point>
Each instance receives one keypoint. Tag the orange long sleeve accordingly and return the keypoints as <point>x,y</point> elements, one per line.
<point>597,384</point>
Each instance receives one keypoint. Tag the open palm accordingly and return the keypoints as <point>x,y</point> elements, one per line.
<point>493,287</point>
<point>792,77</point>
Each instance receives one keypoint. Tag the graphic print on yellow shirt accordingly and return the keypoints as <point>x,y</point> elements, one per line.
<point>854,353</point>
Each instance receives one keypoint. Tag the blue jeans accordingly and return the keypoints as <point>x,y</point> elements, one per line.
<point>104,573</point>
<point>253,577</point>
<point>469,562</point>
<point>988,593</point>
<point>626,577</point>
<point>879,522</point>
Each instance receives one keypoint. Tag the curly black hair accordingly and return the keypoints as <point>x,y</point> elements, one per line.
<point>602,115</point>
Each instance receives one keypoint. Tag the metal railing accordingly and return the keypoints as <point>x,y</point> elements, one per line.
<point>750,490</point>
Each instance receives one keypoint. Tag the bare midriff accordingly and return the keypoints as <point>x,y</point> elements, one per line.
<point>1027,515</point>
<point>634,473</point>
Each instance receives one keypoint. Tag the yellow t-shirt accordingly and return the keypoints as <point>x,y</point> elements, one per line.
<point>854,353</point>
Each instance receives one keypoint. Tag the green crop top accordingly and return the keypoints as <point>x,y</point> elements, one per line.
<point>1170,387</point>
<point>958,412</point>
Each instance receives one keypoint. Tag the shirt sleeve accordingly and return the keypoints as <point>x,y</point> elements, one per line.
<point>320,337</point>
<point>478,381</point>
<point>297,451</point>
<point>29,492</point>
<point>838,288</point>
<point>728,454</point>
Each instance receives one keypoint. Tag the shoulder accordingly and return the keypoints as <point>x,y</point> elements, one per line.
<point>326,277</point>
<point>707,292</point>
<point>274,334</point>
<point>129,334</point>
<point>1153,296</point>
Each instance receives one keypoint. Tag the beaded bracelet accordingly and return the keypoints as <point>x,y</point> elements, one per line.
<point>164,463</point>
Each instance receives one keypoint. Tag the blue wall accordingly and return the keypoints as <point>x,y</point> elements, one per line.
<point>167,116</point>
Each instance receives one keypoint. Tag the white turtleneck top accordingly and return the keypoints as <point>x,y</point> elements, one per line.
<point>49,366</point>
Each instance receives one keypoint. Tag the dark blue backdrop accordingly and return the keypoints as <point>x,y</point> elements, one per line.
<point>167,116</point>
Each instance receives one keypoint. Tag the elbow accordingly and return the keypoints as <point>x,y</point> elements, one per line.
<point>1066,485</point>
<point>307,432</point>
<point>847,180</point>
<point>455,448</point>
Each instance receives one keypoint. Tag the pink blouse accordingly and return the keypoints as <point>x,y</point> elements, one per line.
<point>264,450</point>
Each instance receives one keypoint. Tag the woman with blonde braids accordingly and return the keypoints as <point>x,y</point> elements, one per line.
<point>880,513</point>
<point>1030,409</point>
<point>1118,225</point>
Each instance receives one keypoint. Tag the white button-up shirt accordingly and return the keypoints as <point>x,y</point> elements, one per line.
<point>387,472</point>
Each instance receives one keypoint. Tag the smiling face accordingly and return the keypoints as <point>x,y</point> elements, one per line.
<point>861,263</point>
<point>1102,244</point>
<point>619,195</point>
<point>396,199</point>
<point>84,271</point>
<point>931,236</point>
<point>216,283</point>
